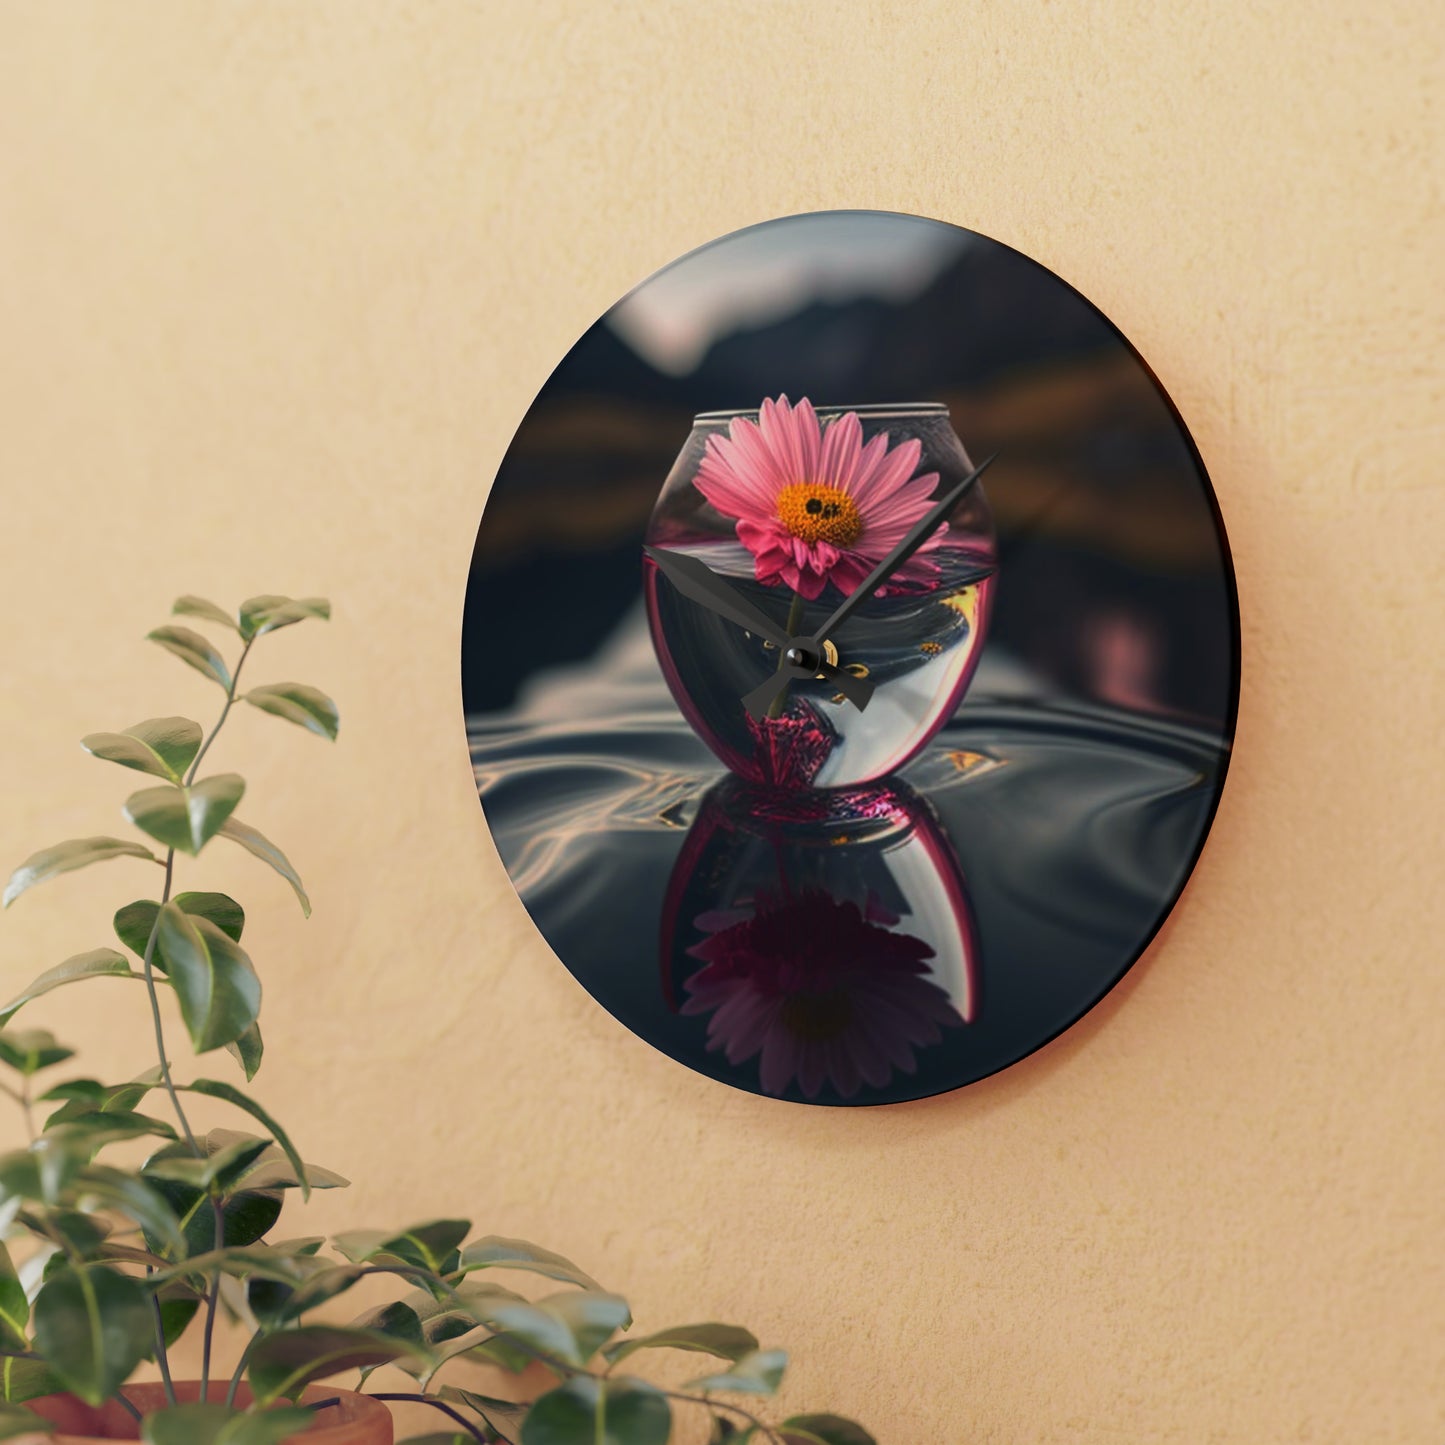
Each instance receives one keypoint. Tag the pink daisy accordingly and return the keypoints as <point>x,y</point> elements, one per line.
<point>815,505</point>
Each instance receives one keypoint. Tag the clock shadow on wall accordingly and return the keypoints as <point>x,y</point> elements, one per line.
<point>934,926</point>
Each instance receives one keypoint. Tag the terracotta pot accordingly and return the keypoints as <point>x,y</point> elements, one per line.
<point>353,1420</point>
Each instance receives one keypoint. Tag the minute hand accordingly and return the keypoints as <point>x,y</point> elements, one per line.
<point>920,532</point>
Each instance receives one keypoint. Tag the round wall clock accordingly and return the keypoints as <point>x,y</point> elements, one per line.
<point>850,658</point>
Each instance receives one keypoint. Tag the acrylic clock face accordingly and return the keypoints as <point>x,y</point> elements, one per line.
<point>834,767</point>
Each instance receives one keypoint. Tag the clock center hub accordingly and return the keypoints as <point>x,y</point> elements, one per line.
<point>805,654</point>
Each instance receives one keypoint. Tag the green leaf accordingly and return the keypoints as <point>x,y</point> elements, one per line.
<point>496,1252</point>
<point>305,706</point>
<point>134,1198</point>
<point>723,1431</point>
<point>570,1326</point>
<point>247,1051</point>
<point>283,1364</point>
<point>589,1411</point>
<point>87,1091</point>
<point>214,980</point>
<point>223,1168</point>
<point>593,1317</point>
<point>93,1326</point>
<point>215,1089</point>
<point>85,1095</point>
<point>269,1427</point>
<point>758,1373</point>
<point>268,612</point>
<point>727,1342</point>
<point>214,1424</point>
<point>134,922</point>
<point>503,1351</point>
<point>248,1211</point>
<point>246,1216</point>
<point>189,606</point>
<point>306,1245</point>
<point>179,1305</point>
<point>30,1050</point>
<point>162,746</point>
<point>501,1417</point>
<point>261,847</point>
<point>88,1132</point>
<point>187,1425</point>
<point>823,1430</point>
<point>273,1170</point>
<point>84,1234</point>
<point>325,1284</point>
<point>16,1421</point>
<point>14,1306</point>
<point>186,818</point>
<point>98,963</point>
<point>397,1321</point>
<point>446,1322</point>
<point>22,1380</point>
<point>427,1246</point>
<point>252,1263</point>
<point>65,858</point>
<point>440,1437</point>
<point>193,649</point>
<point>20,1179</point>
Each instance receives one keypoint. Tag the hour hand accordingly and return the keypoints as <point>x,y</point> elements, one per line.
<point>697,581</point>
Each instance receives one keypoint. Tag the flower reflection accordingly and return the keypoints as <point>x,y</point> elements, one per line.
<point>825,938</point>
<point>790,750</point>
<point>825,991</point>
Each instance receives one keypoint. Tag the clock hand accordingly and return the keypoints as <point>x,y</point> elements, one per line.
<point>697,581</point>
<point>918,534</point>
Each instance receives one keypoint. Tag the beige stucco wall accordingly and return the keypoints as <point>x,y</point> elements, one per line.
<point>276,282</point>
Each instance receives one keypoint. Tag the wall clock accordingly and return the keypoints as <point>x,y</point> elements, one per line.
<point>850,658</point>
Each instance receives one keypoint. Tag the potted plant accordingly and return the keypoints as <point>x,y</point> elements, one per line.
<point>106,1266</point>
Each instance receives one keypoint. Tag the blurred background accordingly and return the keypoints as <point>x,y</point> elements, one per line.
<point>1115,584</point>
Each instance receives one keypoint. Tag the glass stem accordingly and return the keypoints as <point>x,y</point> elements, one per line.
<point>794,622</point>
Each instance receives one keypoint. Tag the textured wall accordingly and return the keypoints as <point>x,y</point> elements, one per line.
<point>276,282</point>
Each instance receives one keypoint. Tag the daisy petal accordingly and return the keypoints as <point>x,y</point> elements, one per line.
<point>810,436</point>
<point>893,472</point>
<point>780,427</point>
<point>849,571</point>
<point>842,446</point>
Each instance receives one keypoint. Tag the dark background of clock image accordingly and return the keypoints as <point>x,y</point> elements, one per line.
<point>1115,584</point>
<point>1077,780</point>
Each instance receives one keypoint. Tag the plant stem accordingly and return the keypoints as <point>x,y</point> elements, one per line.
<point>240,1370</point>
<point>447,1410</point>
<point>212,1295</point>
<point>220,721</point>
<point>711,1404</point>
<point>156,1011</point>
<point>129,1408</point>
<point>794,622</point>
<point>162,1359</point>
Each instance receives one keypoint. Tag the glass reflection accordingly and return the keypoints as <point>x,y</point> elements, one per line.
<point>826,940</point>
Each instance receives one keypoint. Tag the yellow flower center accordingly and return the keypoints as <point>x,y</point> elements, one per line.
<point>814,513</point>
